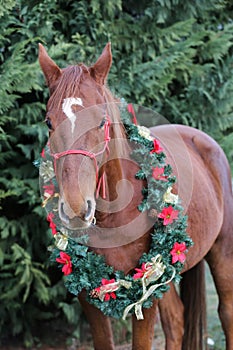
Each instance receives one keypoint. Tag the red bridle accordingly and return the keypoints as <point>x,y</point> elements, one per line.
<point>99,180</point>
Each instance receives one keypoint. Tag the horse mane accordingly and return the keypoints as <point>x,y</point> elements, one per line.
<point>120,148</point>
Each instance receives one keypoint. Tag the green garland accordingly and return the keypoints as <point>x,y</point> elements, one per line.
<point>111,291</point>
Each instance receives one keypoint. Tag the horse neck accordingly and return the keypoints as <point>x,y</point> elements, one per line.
<point>119,170</point>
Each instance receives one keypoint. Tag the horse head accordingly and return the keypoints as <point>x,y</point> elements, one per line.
<point>78,132</point>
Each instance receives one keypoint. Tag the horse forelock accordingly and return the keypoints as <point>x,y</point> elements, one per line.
<point>68,85</point>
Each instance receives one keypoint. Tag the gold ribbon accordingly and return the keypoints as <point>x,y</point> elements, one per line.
<point>170,197</point>
<point>61,241</point>
<point>47,170</point>
<point>155,270</point>
<point>144,132</point>
<point>48,197</point>
<point>111,287</point>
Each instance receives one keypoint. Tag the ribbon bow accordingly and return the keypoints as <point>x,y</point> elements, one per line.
<point>155,270</point>
<point>101,291</point>
<point>61,240</point>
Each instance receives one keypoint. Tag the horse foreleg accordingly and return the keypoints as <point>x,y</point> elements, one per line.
<point>172,319</point>
<point>100,325</point>
<point>143,330</point>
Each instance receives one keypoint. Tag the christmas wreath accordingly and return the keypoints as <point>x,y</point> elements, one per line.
<point>114,293</point>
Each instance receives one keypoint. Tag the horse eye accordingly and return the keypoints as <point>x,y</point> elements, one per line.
<point>49,124</point>
<point>102,123</point>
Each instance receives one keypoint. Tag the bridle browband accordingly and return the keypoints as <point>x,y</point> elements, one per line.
<point>99,180</point>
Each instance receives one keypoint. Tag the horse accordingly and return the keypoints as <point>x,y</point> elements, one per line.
<point>209,204</point>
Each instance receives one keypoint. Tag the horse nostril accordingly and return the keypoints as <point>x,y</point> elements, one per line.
<point>88,214</point>
<point>62,213</point>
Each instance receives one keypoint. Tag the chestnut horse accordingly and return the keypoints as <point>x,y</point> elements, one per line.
<point>204,183</point>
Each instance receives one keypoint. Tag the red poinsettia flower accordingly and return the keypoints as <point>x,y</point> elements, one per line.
<point>140,272</point>
<point>43,153</point>
<point>109,295</point>
<point>157,147</point>
<point>177,252</point>
<point>157,174</point>
<point>168,215</point>
<point>49,189</point>
<point>66,261</point>
<point>52,225</point>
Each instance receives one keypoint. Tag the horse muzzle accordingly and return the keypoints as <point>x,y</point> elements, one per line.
<point>80,218</point>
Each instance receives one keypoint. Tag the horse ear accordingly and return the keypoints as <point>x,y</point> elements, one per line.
<point>99,71</point>
<point>51,71</point>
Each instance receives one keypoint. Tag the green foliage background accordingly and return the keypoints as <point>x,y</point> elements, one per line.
<point>174,56</point>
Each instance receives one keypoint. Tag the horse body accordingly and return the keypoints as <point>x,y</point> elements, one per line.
<point>206,189</point>
<point>204,186</point>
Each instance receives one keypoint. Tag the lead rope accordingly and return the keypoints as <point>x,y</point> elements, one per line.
<point>102,180</point>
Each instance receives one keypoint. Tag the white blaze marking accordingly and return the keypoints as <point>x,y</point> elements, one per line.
<point>66,107</point>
